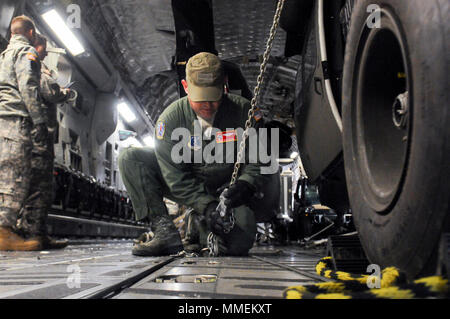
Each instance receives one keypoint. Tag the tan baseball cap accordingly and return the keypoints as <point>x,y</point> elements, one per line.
<point>205,77</point>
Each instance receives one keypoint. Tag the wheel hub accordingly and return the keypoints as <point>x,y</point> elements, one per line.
<point>400,111</point>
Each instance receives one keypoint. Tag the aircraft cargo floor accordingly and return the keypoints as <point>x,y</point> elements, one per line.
<point>108,270</point>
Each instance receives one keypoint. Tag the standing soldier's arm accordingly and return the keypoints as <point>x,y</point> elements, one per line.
<point>51,92</point>
<point>28,72</point>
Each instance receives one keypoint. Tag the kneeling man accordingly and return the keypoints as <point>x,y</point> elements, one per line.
<point>190,172</point>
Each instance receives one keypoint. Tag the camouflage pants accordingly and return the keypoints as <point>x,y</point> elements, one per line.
<point>26,169</point>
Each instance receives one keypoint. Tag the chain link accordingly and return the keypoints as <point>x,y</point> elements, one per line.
<point>212,245</point>
<point>263,67</point>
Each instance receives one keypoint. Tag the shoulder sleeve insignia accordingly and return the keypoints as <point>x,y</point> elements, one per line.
<point>195,143</point>
<point>258,115</point>
<point>160,130</point>
<point>32,57</point>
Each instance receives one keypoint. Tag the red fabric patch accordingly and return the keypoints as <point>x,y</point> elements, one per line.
<point>225,137</point>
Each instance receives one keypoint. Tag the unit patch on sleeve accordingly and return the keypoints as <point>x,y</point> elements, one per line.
<point>32,57</point>
<point>258,115</point>
<point>195,143</point>
<point>160,130</point>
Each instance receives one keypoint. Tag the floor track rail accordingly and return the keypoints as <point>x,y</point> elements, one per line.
<point>308,274</point>
<point>117,288</point>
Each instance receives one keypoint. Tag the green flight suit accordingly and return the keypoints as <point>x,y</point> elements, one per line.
<point>151,174</point>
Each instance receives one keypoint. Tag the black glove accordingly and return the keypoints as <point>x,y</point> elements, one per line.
<point>213,220</point>
<point>239,194</point>
<point>40,133</point>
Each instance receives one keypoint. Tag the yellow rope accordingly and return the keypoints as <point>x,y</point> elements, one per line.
<point>347,286</point>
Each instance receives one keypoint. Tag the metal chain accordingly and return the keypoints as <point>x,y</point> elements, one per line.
<point>263,67</point>
<point>212,240</point>
<point>212,245</point>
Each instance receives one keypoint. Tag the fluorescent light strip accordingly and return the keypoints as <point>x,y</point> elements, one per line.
<point>149,141</point>
<point>134,142</point>
<point>126,112</point>
<point>62,31</point>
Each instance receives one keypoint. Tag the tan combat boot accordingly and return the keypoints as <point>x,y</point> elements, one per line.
<point>10,241</point>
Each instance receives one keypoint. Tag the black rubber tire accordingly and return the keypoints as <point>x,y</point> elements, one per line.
<point>406,231</point>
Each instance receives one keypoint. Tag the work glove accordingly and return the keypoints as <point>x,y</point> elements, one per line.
<point>213,220</point>
<point>239,194</point>
<point>40,133</point>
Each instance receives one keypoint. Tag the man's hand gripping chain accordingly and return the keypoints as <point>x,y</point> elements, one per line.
<point>227,222</point>
<point>226,214</point>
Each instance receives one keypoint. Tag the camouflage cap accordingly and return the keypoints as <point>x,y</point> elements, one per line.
<point>205,77</point>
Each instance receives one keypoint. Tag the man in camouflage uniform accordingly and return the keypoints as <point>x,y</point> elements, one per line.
<point>23,136</point>
<point>152,174</point>
<point>43,153</point>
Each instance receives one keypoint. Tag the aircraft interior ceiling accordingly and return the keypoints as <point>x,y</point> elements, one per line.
<point>139,39</point>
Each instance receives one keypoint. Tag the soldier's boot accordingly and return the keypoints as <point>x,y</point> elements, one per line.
<point>165,241</point>
<point>51,244</point>
<point>10,241</point>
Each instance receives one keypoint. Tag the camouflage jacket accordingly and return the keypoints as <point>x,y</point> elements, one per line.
<point>20,75</point>
<point>51,94</point>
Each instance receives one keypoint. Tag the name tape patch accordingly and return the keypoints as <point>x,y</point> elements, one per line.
<point>225,137</point>
<point>205,78</point>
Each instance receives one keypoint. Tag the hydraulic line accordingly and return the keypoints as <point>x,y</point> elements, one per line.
<point>324,60</point>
